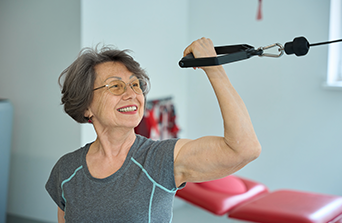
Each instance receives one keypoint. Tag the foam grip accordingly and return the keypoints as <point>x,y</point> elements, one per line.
<point>300,46</point>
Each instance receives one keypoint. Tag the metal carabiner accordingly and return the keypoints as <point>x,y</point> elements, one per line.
<point>280,49</point>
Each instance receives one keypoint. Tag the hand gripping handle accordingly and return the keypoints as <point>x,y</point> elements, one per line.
<point>225,54</point>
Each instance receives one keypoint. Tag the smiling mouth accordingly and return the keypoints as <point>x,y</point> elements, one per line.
<point>128,109</point>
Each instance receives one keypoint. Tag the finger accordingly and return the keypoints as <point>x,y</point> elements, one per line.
<point>193,45</point>
<point>188,50</point>
<point>203,47</point>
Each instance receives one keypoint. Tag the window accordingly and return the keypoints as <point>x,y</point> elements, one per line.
<point>334,76</point>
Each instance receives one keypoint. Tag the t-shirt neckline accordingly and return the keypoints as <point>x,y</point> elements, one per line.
<point>115,175</point>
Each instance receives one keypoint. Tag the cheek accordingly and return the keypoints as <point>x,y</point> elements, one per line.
<point>100,105</point>
<point>142,102</point>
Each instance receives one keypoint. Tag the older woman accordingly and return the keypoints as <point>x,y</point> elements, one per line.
<point>124,177</point>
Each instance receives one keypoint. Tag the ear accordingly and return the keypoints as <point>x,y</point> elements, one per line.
<point>88,113</point>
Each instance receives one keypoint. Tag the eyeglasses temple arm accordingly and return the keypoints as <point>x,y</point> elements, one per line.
<point>99,87</point>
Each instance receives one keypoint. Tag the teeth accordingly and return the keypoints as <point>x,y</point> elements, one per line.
<point>128,109</point>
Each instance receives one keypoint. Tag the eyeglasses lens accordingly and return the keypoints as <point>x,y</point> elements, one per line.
<point>136,86</point>
<point>118,87</point>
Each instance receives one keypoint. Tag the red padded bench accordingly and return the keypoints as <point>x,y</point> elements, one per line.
<point>288,206</point>
<point>250,201</point>
<point>220,196</point>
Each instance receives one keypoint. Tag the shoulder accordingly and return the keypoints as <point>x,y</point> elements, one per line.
<point>156,158</point>
<point>154,154</point>
<point>145,146</point>
<point>75,155</point>
<point>61,171</point>
<point>71,161</point>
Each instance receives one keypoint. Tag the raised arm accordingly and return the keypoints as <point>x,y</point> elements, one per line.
<point>209,158</point>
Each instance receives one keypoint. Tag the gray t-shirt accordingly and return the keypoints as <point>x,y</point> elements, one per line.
<point>142,190</point>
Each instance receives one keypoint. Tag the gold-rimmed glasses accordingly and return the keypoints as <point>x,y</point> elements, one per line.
<point>118,87</point>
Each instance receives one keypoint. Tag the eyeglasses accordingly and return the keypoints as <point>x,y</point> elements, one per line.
<point>118,87</point>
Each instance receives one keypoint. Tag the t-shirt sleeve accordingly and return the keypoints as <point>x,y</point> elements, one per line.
<point>160,163</point>
<point>53,186</point>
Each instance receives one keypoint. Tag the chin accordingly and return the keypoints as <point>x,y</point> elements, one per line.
<point>134,124</point>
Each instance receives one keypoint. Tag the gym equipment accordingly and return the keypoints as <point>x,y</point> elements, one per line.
<point>227,54</point>
<point>248,200</point>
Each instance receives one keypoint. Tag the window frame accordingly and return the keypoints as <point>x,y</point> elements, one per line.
<point>334,70</point>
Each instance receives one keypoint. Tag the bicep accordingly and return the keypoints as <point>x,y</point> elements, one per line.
<point>204,159</point>
<point>60,215</point>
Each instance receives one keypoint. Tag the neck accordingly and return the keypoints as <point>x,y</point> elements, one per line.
<point>114,143</point>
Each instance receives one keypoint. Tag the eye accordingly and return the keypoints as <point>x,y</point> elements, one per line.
<point>135,83</point>
<point>115,85</point>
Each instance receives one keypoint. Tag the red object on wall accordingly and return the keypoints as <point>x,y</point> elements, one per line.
<point>259,15</point>
<point>159,121</point>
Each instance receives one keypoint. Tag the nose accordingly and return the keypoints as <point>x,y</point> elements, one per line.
<point>130,86</point>
<point>129,93</point>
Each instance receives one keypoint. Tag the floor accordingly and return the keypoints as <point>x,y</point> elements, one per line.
<point>189,213</point>
<point>17,219</point>
<point>183,213</point>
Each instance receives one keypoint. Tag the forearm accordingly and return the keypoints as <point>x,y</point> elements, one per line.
<point>60,215</point>
<point>211,157</point>
<point>239,133</point>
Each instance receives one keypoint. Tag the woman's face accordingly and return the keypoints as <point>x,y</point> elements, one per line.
<point>111,111</point>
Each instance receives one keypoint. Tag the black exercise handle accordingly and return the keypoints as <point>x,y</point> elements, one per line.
<point>225,54</point>
<point>188,57</point>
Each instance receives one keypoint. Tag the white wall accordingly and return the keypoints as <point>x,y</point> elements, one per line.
<point>298,123</point>
<point>38,39</point>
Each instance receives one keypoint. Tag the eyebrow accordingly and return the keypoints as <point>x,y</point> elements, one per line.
<point>121,78</point>
<point>114,77</point>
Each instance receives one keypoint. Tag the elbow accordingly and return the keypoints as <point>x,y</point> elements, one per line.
<point>256,151</point>
<point>246,152</point>
<point>250,152</point>
<point>242,156</point>
<point>253,152</point>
